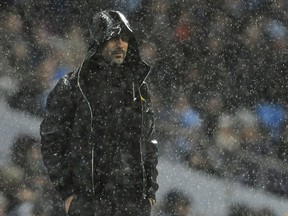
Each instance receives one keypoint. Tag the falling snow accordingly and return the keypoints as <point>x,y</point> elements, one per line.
<point>218,85</point>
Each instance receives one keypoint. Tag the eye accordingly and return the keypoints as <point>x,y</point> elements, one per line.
<point>125,37</point>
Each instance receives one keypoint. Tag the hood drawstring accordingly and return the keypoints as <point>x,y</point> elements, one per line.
<point>86,99</point>
<point>91,125</point>
<point>134,95</point>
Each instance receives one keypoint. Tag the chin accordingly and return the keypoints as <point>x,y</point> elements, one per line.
<point>118,61</point>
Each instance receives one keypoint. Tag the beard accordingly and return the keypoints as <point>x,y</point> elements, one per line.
<point>118,51</point>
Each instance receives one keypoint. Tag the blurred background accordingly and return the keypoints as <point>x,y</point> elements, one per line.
<point>219,88</point>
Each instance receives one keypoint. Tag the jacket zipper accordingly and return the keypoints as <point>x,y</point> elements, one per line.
<point>141,139</point>
<point>141,146</point>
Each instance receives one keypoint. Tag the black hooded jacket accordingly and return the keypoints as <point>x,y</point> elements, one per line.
<point>98,129</point>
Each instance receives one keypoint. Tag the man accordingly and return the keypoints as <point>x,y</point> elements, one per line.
<point>96,137</point>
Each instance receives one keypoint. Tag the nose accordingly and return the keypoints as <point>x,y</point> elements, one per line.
<point>119,41</point>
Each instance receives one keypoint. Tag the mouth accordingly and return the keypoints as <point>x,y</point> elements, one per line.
<point>119,56</point>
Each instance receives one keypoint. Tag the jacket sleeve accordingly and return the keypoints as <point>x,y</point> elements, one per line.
<point>55,131</point>
<point>151,157</point>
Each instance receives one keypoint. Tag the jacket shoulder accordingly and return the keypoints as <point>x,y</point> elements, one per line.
<point>64,88</point>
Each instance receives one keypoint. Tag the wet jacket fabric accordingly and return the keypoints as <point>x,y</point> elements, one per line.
<point>97,135</point>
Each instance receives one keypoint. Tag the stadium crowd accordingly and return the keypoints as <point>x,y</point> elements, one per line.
<point>219,68</point>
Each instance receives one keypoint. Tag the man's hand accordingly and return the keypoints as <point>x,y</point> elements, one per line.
<point>152,201</point>
<point>68,203</point>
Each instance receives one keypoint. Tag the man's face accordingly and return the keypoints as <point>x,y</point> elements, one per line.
<point>116,49</point>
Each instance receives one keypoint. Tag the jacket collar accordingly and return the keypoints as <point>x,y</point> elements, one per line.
<point>139,70</point>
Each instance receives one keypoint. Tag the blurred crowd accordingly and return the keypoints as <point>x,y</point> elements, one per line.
<point>177,203</point>
<point>219,86</point>
<point>25,189</point>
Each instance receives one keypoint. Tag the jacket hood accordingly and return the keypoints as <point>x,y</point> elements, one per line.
<point>106,25</point>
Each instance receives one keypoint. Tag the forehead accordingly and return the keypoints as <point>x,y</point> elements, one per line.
<point>115,41</point>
